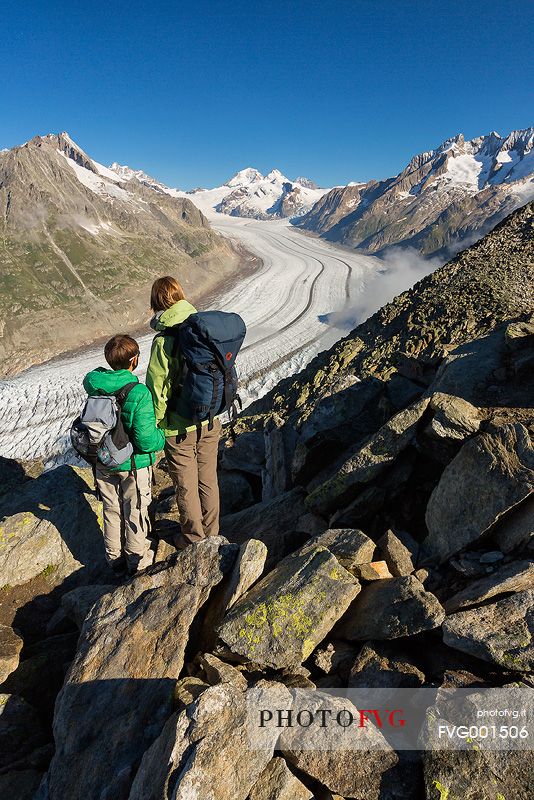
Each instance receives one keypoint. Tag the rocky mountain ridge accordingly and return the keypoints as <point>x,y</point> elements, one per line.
<point>77,236</point>
<point>443,199</point>
<point>377,532</point>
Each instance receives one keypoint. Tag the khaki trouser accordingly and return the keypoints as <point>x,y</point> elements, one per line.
<point>192,459</point>
<point>126,523</point>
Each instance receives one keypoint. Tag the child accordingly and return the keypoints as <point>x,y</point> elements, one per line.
<point>126,490</point>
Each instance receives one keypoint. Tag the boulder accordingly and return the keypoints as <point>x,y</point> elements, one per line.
<point>279,447</point>
<point>371,500</point>
<point>76,604</point>
<point>10,647</point>
<point>187,690</point>
<point>349,545</point>
<point>374,571</point>
<point>500,633</point>
<point>396,555</point>
<point>516,528</point>
<point>491,474</point>
<point>369,461</point>
<point>337,657</point>
<point>277,782</point>
<point>235,492</point>
<point>248,568</point>
<point>380,666</point>
<point>246,453</point>
<point>391,608</point>
<point>330,755</point>
<point>52,525</point>
<point>281,620</point>
<point>20,784</point>
<point>48,657</point>
<point>454,421</point>
<point>469,368</point>
<point>205,751</point>
<point>338,421</point>
<point>217,671</point>
<point>514,577</point>
<point>273,522</point>
<point>20,730</point>
<point>119,690</point>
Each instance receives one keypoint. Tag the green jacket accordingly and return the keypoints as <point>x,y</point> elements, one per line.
<point>137,413</point>
<point>164,371</point>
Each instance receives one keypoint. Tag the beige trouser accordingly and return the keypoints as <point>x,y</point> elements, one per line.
<point>192,460</point>
<point>126,523</point>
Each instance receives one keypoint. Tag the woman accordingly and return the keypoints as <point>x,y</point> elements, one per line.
<point>191,449</point>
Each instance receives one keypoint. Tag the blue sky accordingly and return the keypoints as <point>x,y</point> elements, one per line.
<point>192,92</point>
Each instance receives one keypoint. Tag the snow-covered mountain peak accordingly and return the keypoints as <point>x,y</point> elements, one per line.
<point>275,176</point>
<point>245,177</point>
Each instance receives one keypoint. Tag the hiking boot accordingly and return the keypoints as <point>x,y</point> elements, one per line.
<point>118,567</point>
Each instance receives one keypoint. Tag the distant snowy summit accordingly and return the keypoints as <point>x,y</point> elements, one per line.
<point>250,194</point>
<point>442,200</point>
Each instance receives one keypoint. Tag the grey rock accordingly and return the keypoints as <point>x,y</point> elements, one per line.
<point>368,462</point>
<point>516,528</point>
<point>217,671</point>
<point>277,782</point>
<point>391,608</point>
<point>491,557</point>
<point>380,666</point>
<point>187,690</point>
<point>52,525</point>
<point>454,418</point>
<point>10,647</point>
<point>20,730</point>
<point>395,554</point>
<point>273,522</point>
<point>246,454</point>
<point>235,492</point>
<point>421,575</point>
<point>279,447</point>
<point>375,571</point>
<point>205,750</point>
<point>500,632</point>
<point>119,690</point>
<point>20,784</point>
<point>248,568</point>
<point>76,604</point>
<point>349,545</point>
<point>281,620</point>
<point>469,367</point>
<point>336,657</point>
<point>322,754</point>
<point>491,474</point>
<point>48,657</point>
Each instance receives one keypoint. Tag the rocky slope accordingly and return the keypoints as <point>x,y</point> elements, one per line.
<point>82,243</point>
<point>251,194</point>
<point>377,533</point>
<point>443,198</point>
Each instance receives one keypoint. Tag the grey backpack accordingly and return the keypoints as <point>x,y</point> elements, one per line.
<point>98,434</point>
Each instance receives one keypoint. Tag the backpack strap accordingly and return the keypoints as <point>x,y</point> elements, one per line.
<point>122,393</point>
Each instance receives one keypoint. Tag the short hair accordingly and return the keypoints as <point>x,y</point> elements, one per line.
<point>165,293</point>
<point>120,351</point>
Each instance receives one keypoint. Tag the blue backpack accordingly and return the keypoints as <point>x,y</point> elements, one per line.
<point>208,343</point>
